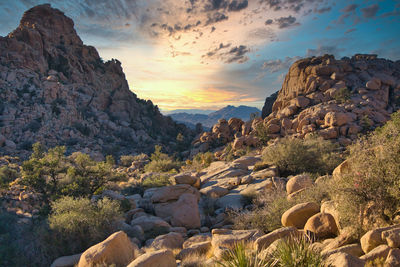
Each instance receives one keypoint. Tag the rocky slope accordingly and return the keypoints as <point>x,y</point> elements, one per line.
<point>335,98</point>
<point>56,90</point>
<point>228,112</point>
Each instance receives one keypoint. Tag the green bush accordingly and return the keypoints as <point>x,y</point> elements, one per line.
<point>270,206</point>
<point>261,132</point>
<point>295,252</point>
<point>202,160</point>
<point>7,175</point>
<point>126,160</point>
<point>342,95</point>
<point>53,175</point>
<point>369,194</point>
<point>161,162</point>
<point>295,156</point>
<point>268,212</point>
<point>157,180</point>
<point>77,224</point>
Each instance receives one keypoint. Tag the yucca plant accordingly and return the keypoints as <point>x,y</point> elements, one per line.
<point>295,252</point>
<point>238,256</point>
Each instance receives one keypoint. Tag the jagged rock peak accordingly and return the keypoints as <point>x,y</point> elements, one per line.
<point>51,23</point>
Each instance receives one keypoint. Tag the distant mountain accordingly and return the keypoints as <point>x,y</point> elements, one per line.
<point>190,111</point>
<point>241,112</point>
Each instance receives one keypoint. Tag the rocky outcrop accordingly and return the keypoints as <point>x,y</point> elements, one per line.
<point>269,102</point>
<point>58,91</point>
<point>335,98</point>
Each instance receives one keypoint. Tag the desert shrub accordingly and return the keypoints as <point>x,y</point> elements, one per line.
<point>76,224</point>
<point>202,160</point>
<point>268,212</point>
<point>239,256</point>
<point>342,95</point>
<point>366,123</point>
<point>294,156</point>
<point>261,132</point>
<point>157,180</point>
<point>126,160</point>
<point>270,206</point>
<point>7,175</point>
<point>369,194</point>
<point>53,175</point>
<point>260,166</point>
<point>295,252</point>
<point>161,162</point>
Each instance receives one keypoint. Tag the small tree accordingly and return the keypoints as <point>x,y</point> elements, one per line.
<point>43,171</point>
<point>53,175</point>
<point>88,176</point>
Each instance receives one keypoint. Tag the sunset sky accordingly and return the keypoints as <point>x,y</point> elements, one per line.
<point>210,53</point>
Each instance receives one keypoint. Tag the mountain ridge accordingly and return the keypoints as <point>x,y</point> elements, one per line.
<point>228,112</point>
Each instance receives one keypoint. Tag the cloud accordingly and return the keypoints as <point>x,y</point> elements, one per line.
<point>238,5</point>
<point>370,11</point>
<point>322,50</point>
<point>278,65</point>
<point>350,30</point>
<point>235,5</point>
<point>237,54</point>
<point>349,8</point>
<point>322,10</point>
<point>269,22</point>
<point>215,17</point>
<point>284,22</point>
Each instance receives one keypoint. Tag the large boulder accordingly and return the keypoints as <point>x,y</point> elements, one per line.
<point>116,249</point>
<point>298,215</point>
<point>337,118</point>
<point>195,249</point>
<point>185,178</point>
<point>196,239</point>
<point>265,241</point>
<point>160,258</point>
<point>342,259</point>
<point>168,241</point>
<point>373,238</point>
<point>173,192</point>
<point>186,212</point>
<point>151,225</point>
<point>298,182</point>
<point>322,225</point>
<point>380,251</point>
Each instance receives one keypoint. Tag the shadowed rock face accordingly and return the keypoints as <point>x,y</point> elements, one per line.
<point>56,90</point>
<point>269,102</point>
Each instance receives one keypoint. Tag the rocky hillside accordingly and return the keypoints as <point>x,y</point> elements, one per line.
<point>228,112</point>
<point>56,90</point>
<point>336,98</point>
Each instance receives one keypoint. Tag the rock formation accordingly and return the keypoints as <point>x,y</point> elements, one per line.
<point>336,98</point>
<point>58,91</point>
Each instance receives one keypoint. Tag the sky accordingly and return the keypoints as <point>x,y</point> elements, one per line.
<point>206,54</point>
